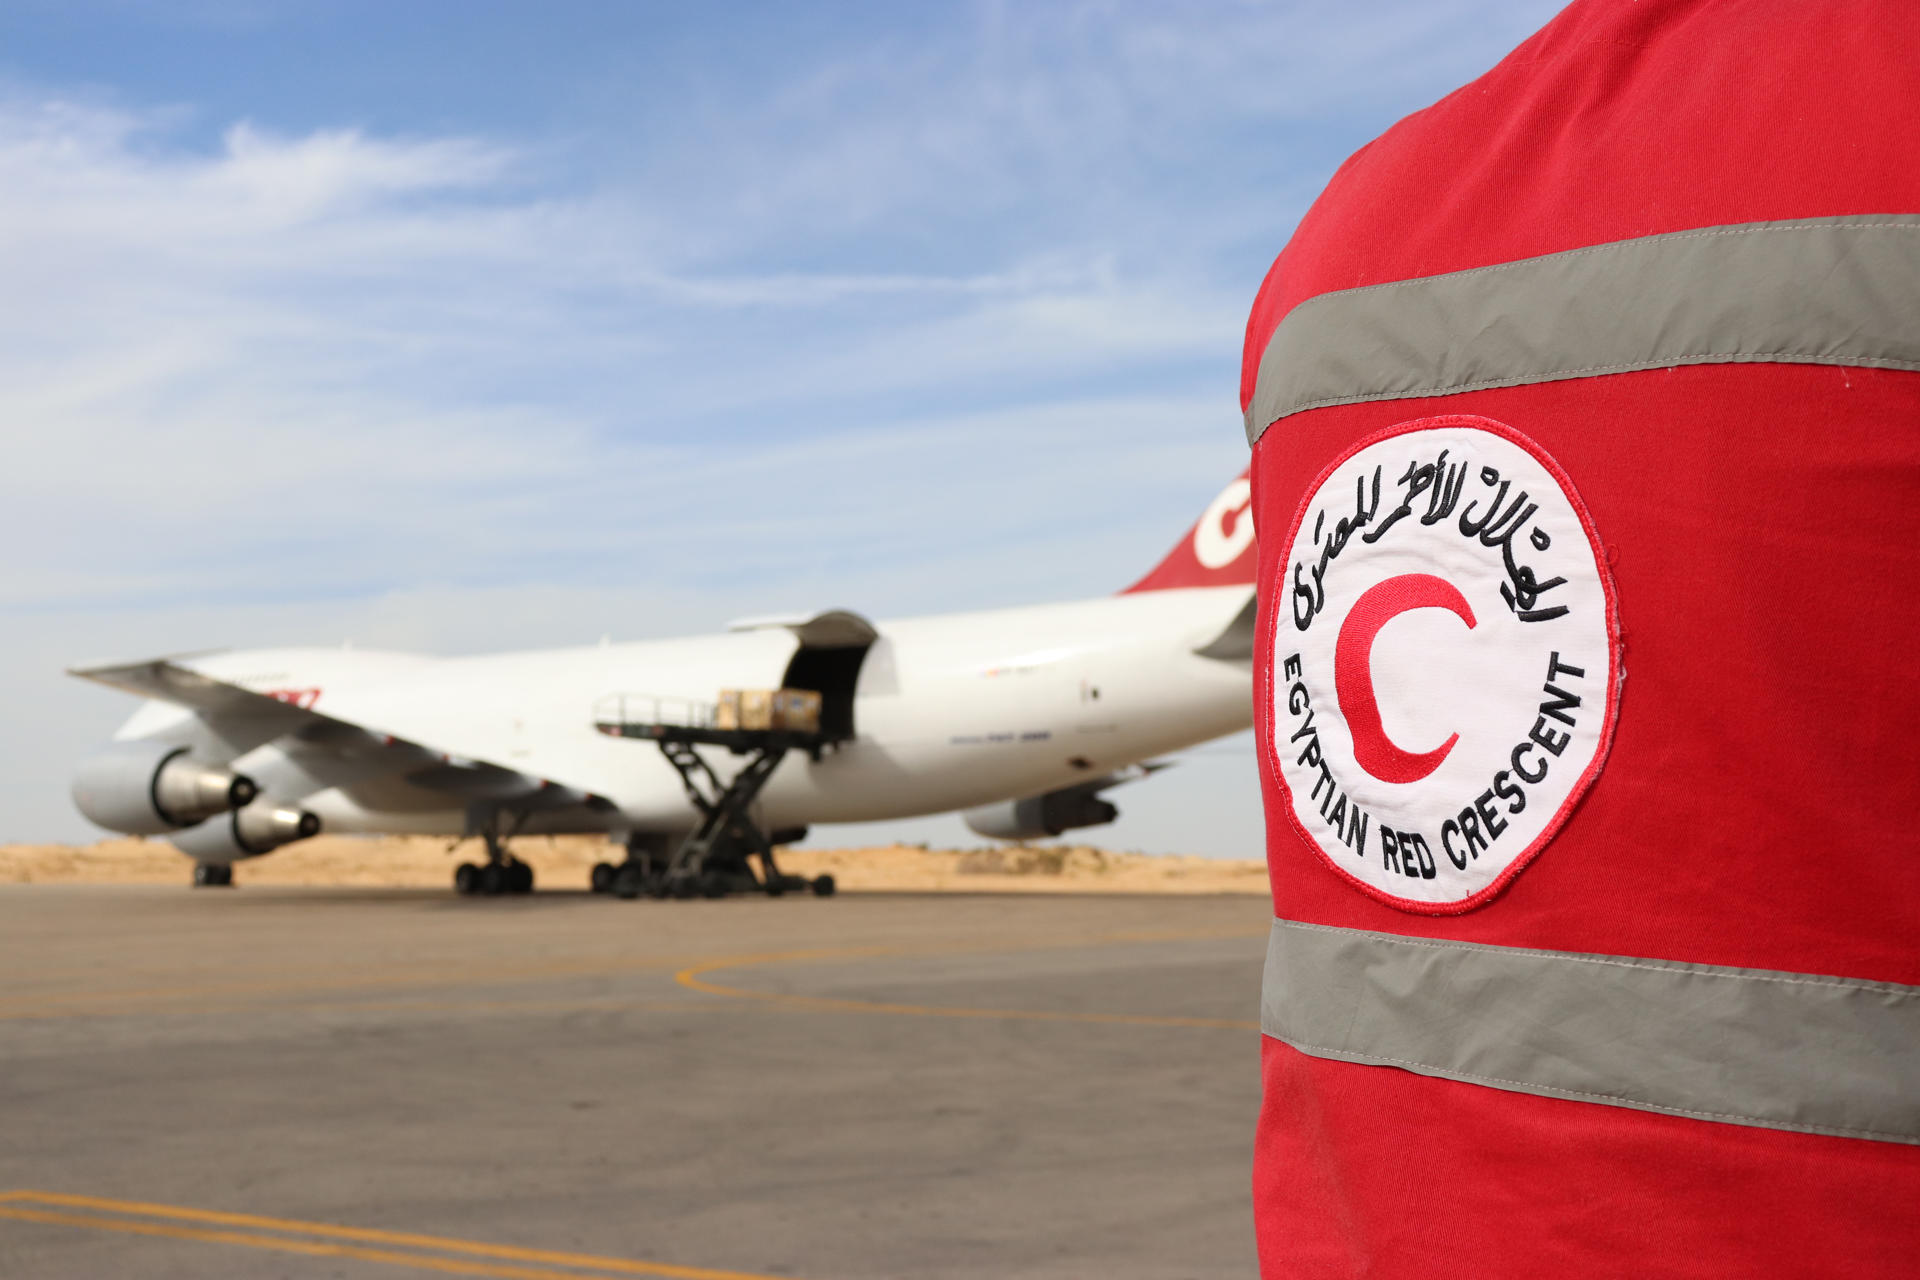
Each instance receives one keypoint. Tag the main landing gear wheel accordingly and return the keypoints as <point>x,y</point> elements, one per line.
<point>823,886</point>
<point>625,882</point>
<point>490,879</point>
<point>212,875</point>
<point>603,877</point>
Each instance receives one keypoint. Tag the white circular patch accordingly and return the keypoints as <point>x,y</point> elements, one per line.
<point>1444,661</point>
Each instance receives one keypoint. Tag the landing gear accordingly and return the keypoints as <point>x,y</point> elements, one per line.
<point>500,873</point>
<point>642,870</point>
<point>491,879</point>
<point>627,882</point>
<point>212,875</point>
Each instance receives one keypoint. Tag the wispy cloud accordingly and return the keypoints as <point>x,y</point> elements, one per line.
<point>278,356</point>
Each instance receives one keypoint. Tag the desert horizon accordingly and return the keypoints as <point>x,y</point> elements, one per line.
<point>566,862</point>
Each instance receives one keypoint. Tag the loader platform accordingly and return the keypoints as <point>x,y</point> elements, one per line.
<point>719,855</point>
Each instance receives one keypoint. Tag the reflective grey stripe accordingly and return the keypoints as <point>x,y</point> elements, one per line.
<point>1743,1046</point>
<point>1817,291</point>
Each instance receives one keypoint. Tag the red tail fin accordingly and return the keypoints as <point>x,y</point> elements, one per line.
<point>1217,552</point>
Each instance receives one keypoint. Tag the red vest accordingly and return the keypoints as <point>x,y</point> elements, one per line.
<point>1586,407</point>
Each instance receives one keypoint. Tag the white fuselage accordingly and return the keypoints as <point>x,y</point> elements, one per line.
<point>948,712</point>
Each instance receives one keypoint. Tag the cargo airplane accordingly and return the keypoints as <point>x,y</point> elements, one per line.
<point>1020,717</point>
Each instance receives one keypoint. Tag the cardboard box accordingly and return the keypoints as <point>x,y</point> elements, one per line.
<point>756,708</point>
<point>796,710</point>
<point>792,710</point>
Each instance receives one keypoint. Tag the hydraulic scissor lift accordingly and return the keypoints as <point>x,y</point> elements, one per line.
<point>717,857</point>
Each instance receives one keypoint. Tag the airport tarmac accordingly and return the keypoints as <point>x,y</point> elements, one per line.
<point>362,1082</point>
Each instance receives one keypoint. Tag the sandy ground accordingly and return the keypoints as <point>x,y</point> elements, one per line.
<point>565,863</point>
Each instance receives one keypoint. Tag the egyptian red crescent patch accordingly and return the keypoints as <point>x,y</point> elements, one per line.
<point>1444,650</point>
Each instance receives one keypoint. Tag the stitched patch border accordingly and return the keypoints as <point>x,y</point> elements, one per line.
<point>1466,546</point>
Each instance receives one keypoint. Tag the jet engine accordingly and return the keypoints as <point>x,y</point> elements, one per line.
<point>247,832</point>
<point>1044,815</point>
<point>146,788</point>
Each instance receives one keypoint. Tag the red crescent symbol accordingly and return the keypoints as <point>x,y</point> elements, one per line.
<point>1353,671</point>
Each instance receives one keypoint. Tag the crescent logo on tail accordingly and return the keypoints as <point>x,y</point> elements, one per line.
<point>1226,530</point>
<point>1217,552</point>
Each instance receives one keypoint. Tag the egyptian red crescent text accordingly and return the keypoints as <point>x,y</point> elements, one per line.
<point>1353,671</point>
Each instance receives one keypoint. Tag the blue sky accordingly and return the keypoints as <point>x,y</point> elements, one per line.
<point>454,325</point>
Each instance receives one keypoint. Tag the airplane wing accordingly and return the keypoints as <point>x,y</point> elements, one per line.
<point>325,751</point>
<point>1235,643</point>
<point>170,680</point>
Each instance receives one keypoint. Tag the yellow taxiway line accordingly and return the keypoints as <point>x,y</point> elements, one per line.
<point>328,1240</point>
